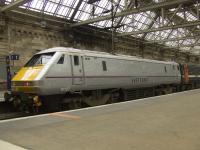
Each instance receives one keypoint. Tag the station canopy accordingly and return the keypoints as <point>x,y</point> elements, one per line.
<point>174,23</point>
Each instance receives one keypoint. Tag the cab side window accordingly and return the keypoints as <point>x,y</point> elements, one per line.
<point>104,66</point>
<point>76,60</point>
<point>61,60</point>
<point>165,69</point>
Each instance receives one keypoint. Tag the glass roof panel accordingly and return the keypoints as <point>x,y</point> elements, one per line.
<point>185,49</point>
<point>62,11</point>
<point>60,8</point>
<point>130,23</point>
<point>187,15</point>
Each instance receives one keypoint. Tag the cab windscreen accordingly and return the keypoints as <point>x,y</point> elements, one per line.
<point>39,59</point>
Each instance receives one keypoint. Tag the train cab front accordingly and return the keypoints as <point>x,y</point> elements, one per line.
<point>27,83</point>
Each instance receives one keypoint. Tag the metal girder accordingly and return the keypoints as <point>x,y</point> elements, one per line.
<point>174,39</point>
<point>162,13</point>
<point>185,25</point>
<point>170,20</point>
<point>121,19</point>
<point>36,15</point>
<point>44,6</point>
<point>151,25</point>
<point>58,7</point>
<point>76,10</point>
<point>134,11</point>
<point>13,5</point>
<point>188,45</point>
<point>177,19</point>
<point>174,14</point>
<point>196,42</point>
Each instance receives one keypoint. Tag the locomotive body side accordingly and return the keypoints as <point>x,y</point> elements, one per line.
<point>120,72</point>
<point>83,71</point>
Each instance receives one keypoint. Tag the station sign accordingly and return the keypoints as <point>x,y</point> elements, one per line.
<point>14,57</point>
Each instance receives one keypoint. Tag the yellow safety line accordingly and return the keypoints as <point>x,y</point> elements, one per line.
<point>64,115</point>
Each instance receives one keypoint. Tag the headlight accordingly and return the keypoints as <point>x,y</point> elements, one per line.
<point>23,83</point>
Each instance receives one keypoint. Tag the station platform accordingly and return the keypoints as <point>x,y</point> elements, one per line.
<point>169,122</point>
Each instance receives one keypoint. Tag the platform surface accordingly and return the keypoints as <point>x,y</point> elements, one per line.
<point>170,122</point>
<point>8,146</point>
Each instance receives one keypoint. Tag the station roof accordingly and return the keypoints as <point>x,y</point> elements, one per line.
<point>172,23</point>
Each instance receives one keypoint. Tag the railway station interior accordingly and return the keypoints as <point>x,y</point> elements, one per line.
<point>144,56</point>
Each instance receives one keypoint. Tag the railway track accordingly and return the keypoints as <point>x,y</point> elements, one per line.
<point>5,108</point>
<point>8,112</point>
<point>11,115</point>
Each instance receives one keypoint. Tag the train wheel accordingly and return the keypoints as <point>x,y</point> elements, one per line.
<point>16,103</point>
<point>7,97</point>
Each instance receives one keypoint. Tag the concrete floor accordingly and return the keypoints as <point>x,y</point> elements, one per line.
<point>170,122</point>
<point>7,146</point>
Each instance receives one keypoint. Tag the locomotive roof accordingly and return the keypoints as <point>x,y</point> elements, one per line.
<point>100,54</point>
